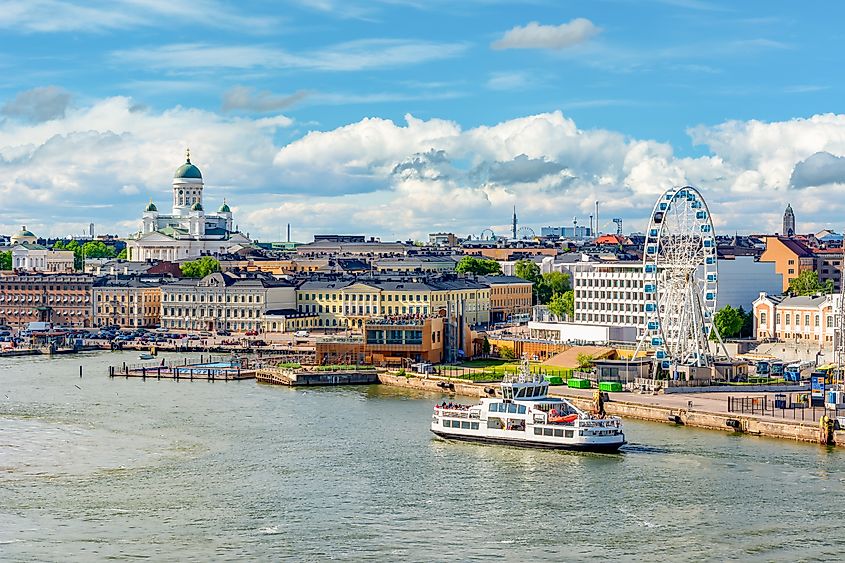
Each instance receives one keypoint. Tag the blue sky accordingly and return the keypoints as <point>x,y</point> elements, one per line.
<point>544,105</point>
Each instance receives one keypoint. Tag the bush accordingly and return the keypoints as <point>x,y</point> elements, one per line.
<point>507,353</point>
<point>290,365</point>
<point>402,373</point>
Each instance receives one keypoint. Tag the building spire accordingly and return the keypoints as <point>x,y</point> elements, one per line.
<point>188,155</point>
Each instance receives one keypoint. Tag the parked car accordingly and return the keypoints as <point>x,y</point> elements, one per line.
<point>224,333</point>
<point>251,333</point>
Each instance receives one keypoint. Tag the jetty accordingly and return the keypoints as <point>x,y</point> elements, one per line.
<point>294,377</point>
<point>209,368</point>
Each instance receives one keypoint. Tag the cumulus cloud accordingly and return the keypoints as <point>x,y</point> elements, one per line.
<point>103,162</point>
<point>537,36</point>
<point>39,104</point>
<point>818,169</point>
<point>245,98</point>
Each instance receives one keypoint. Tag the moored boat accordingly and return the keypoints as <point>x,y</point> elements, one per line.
<point>526,416</point>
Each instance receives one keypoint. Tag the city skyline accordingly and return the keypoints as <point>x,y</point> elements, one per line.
<point>397,120</point>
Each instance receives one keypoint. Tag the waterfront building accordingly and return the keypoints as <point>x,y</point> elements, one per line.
<point>187,232</point>
<point>127,301</point>
<point>348,303</point>
<point>62,299</point>
<point>392,340</point>
<point>803,319</point>
<point>788,222</point>
<point>224,301</point>
<point>790,256</point>
<point>29,256</point>
<point>609,293</point>
<point>510,297</point>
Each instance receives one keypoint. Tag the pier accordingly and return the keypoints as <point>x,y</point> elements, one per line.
<point>300,377</point>
<point>208,368</point>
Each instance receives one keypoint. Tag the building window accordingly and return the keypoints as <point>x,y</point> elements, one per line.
<point>762,317</point>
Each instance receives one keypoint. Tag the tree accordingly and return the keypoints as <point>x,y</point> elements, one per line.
<point>507,353</point>
<point>478,266</point>
<point>550,284</point>
<point>527,270</point>
<point>807,283</point>
<point>6,260</point>
<point>585,362</point>
<point>122,254</point>
<point>563,304</point>
<point>200,267</point>
<point>97,249</point>
<point>728,322</point>
<point>747,330</point>
<point>568,298</point>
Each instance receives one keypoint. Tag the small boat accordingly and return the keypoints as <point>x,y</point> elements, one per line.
<point>526,416</point>
<point>146,356</point>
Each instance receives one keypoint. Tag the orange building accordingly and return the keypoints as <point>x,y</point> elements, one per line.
<point>790,257</point>
<point>509,296</point>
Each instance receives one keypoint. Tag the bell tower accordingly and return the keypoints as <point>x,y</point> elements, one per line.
<point>187,187</point>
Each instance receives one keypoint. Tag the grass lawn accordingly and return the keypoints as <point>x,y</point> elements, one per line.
<point>485,363</point>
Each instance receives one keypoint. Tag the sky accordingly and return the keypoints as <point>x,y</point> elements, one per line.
<point>398,118</point>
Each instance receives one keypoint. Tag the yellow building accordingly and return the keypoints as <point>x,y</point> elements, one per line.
<point>346,304</point>
<point>127,302</point>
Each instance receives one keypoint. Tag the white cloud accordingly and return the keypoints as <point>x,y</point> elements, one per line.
<point>363,54</point>
<point>537,36</point>
<point>50,16</point>
<point>39,104</point>
<point>102,163</point>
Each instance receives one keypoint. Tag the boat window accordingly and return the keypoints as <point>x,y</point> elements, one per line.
<point>547,431</point>
<point>538,431</point>
<point>521,409</point>
<point>493,407</point>
<point>474,425</point>
<point>558,433</point>
<point>447,423</point>
<point>465,424</point>
<point>495,423</point>
<point>511,408</point>
<point>568,433</point>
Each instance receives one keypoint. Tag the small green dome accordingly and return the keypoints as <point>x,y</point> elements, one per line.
<point>196,207</point>
<point>24,233</point>
<point>151,207</point>
<point>224,208</point>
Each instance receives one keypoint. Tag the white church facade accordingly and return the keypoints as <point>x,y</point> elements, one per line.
<point>187,232</point>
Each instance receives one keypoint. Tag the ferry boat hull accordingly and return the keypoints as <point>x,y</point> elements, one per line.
<point>521,443</point>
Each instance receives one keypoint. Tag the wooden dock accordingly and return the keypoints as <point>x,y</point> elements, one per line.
<point>296,378</point>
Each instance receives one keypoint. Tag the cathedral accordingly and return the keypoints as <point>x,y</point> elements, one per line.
<point>187,231</point>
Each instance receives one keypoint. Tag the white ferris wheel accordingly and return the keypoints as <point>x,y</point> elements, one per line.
<point>681,280</point>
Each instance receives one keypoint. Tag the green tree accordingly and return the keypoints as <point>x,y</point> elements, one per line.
<point>6,260</point>
<point>728,322</point>
<point>807,283</point>
<point>556,305</point>
<point>585,362</point>
<point>747,330</point>
<point>568,298</point>
<point>478,266</point>
<point>507,353</point>
<point>527,270</point>
<point>97,249</point>
<point>200,267</point>
<point>122,254</point>
<point>550,284</point>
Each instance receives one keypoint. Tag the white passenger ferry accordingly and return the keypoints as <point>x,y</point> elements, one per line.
<point>526,416</point>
